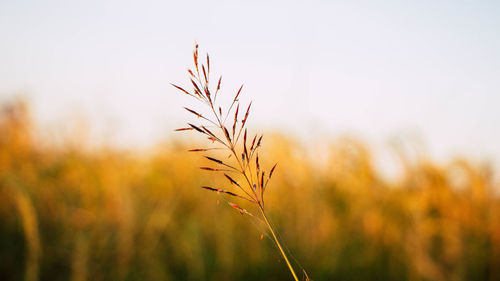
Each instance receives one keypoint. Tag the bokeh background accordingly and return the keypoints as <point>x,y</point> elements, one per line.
<point>383,117</point>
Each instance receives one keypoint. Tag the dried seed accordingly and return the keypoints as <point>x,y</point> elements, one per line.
<point>209,132</point>
<point>245,144</point>
<point>208,65</point>
<point>235,118</point>
<point>257,164</point>
<point>270,175</point>
<point>272,170</point>
<point>208,169</point>
<point>220,190</point>
<point>246,115</point>
<point>196,128</point>
<point>195,56</point>
<point>245,137</point>
<point>258,143</point>
<point>218,84</point>
<point>207,93</point>
<point>203,149</point>
<point>253,142</point>
<point>241,210</point>
<point>214,160</point>
<point>226,133</point>
<point>204,73</point>
<point>246,153</point>
<point>237,94</point>
<point>193,112</point>
<point>231,180</point>
<point>180,88</point>
<point>214,169</point>
<point>195,86</point>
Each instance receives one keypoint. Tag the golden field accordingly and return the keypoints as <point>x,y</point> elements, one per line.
<point>68,213</point>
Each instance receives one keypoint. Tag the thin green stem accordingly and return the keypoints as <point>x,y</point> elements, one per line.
<point>278,244</point>
<point>232,147</point>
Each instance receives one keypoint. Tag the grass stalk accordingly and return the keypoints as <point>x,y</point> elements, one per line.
<point>229,140</point>
<point>278,244</point>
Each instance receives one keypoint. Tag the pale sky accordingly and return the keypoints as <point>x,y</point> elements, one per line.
<point>375,69</point>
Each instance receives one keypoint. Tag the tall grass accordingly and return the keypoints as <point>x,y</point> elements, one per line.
<point>241,155</point>
<point>114,215</point>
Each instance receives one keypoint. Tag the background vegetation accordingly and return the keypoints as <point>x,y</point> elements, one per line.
<point>67,213</point>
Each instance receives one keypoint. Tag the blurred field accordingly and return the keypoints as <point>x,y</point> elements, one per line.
<point>70,214</point>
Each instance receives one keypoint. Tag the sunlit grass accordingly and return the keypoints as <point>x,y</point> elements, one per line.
<point>70,214</point>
